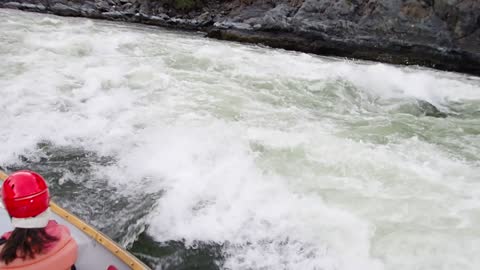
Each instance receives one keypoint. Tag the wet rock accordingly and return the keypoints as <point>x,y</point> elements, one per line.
<point>129,9</point>
<point>103,6</point>
<point>88,9</point>
<point>416,10</point>
<point>13,5</point>
<point>65,10</point>
<point>234,25</point>
<point>159,19</point>
<point>461,16</point>
<point>113,15</point>
<point>428,109</point>
<point>396,31</point>
<point>206,19</point>
<point>25,6</point>
<point>144,8</point>
<point>277,18</point>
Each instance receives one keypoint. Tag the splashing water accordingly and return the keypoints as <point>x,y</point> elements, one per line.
<point>266,158</point>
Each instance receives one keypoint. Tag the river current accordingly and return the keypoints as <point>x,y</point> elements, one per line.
<point>201,154</point>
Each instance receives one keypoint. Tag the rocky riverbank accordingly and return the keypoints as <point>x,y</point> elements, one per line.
<point>443,34</point>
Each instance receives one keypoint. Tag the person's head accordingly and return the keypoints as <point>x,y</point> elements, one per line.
<point>26,198</point>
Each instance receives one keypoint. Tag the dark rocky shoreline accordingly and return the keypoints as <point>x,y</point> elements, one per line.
<point>443,34</point>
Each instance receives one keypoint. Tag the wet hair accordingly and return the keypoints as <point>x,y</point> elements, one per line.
<point>25,243</point>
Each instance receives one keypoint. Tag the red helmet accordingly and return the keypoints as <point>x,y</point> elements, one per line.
<point>25,194</point>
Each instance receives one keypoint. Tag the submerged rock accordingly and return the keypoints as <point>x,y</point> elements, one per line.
<point>428,109</point>
<point>443,34</point>
<point>418,108</point>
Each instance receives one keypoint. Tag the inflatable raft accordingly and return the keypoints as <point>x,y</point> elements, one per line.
<point>96,251</point>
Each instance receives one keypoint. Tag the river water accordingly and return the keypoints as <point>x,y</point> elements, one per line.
<point>201,154</point>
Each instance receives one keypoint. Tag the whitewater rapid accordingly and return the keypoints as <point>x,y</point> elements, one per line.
<point>283,159</point>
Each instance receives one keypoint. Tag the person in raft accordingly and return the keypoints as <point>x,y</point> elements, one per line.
<point>37,242</point>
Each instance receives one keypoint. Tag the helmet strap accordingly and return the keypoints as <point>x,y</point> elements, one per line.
<point>39,221</point>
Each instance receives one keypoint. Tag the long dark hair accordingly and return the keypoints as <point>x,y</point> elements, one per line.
<point>25,243</point>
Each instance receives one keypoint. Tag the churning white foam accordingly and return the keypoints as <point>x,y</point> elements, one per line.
<point>216,192</point>
<point>248,143</point>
